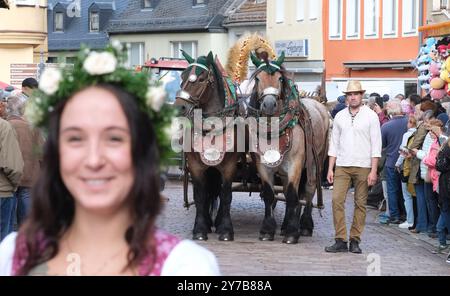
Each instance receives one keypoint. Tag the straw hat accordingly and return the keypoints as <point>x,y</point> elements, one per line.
<point>354,86</point>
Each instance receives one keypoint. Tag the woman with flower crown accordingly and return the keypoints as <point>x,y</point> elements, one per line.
<point>97,198</point>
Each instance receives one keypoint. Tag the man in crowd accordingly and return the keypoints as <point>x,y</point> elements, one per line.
<point>355,148</point>
<point>28,86</point>
<point>392,134</point>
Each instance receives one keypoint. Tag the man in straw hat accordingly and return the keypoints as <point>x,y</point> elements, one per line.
<point>355,148</point>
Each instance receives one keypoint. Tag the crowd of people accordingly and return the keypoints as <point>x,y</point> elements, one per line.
<point>414,164</point>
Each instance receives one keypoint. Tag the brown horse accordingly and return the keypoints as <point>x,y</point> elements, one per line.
<point>302,151</point>
<point>203,88</point>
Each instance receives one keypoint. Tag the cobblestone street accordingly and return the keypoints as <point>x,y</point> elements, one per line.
<point>399,252</point>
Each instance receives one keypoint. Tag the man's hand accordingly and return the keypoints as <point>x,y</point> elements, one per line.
<point>377,108</point>
<point>372,178</point>
<point>330,176</point>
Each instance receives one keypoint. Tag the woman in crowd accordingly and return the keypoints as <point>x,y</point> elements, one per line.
<point>97,198</point>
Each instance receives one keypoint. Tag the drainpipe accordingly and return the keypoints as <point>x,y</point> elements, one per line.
<point>419,90</point>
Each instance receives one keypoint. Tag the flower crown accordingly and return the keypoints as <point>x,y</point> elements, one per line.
<point>95,67</point>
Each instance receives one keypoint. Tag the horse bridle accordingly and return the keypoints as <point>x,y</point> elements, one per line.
<point>194,102</point>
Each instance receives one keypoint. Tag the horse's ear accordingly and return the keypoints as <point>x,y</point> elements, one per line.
<point>280,60</point>
<point>187,57</point>
<point>257,62</point>
<point>210,58</point>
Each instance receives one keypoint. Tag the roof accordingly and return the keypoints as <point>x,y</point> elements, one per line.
<point>76,29</point>
<point>247,13</point>
<point>171,16</point>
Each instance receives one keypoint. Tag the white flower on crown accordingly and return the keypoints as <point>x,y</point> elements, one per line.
<point>100,63</point>
<point>33,113</point>
<point>117,45</point>
<point>156,97</point>
<point>50,79</point>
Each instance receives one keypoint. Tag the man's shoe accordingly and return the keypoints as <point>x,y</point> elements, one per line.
<point>394,221</point>
<point>339,247</point>
<point>440,249</point>
<point>448,258</point>
<point>354,247</point>
<point>405,225</point>
<point>432,235</point>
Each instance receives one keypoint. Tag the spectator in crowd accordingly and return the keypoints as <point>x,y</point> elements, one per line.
<point>339,106</point>
<point>378,107</point>
<point>414,100</point>
<point>403,167</point>
<point>11,163</point>
<point>98,191</point>
<point>392,133</point>
<point>400,97</point>
<point>28,86</point>
<point>386,98</point>
<point>424,190</point>
<point>30,143</point>
<point>443,166</point>
<point>435,130</point>
<point>355,148</point>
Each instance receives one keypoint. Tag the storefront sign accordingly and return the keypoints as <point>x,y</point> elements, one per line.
<point>292,48</point>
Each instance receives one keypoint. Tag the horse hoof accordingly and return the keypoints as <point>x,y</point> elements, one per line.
<point>291,240</point>
<point>200,236</point>
<point>306,232</point>
<point>226,237</point>
<point>266,237</point>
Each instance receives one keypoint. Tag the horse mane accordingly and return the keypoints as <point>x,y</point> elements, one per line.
<point>219,79</point>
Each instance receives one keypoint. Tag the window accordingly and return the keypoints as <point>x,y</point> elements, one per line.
<point>410,17</point>
<point>198,2</point>
<point>59,22</point>
<point>135,54</point>
<point>371,13</point>
<point>313,10</point>
<point>335,19</point>
<point>25,2</point>
<point>300,10</point>
<point>279,11</point>
<point>71,60</point>
<point>390,12</point>
<point>190,47</point>
<point>94,21</point>
<point>438,5</point>
<point>353,19</point>
<point>147,4</point>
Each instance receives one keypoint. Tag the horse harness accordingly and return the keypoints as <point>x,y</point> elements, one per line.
<point>293,113</point>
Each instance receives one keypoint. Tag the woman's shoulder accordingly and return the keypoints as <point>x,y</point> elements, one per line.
<point>188,258</point>
<point>7,248</point>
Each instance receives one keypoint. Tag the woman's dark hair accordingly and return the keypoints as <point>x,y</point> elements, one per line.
<point>415,99</point>
<point>53,207</point>
<point>30,82</point>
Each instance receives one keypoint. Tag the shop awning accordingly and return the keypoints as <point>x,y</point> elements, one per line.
<point>362,65</point>
<point>436,30</point>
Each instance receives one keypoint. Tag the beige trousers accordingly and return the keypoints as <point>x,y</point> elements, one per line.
<point>343,178</point>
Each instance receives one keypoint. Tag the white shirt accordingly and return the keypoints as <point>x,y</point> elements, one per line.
<point>355,144</point>
<point>186,259</point>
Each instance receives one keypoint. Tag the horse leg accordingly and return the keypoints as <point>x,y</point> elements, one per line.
<point>223,224</point>
<point>201,229</point>
<point>269,224</point>
<point>306,220</point>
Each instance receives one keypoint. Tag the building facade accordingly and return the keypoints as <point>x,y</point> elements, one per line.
<point>23,37</point>
<point>295,27</point>
<point>373,41</point>
<point>157,28</point>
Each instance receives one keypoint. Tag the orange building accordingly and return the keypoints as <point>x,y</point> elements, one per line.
<point>373,41</point>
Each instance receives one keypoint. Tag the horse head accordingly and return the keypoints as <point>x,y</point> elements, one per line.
<point>201,86</point>
<point>270,84</point>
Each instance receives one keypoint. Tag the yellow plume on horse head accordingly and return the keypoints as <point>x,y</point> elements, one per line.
<point>238,55</point>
